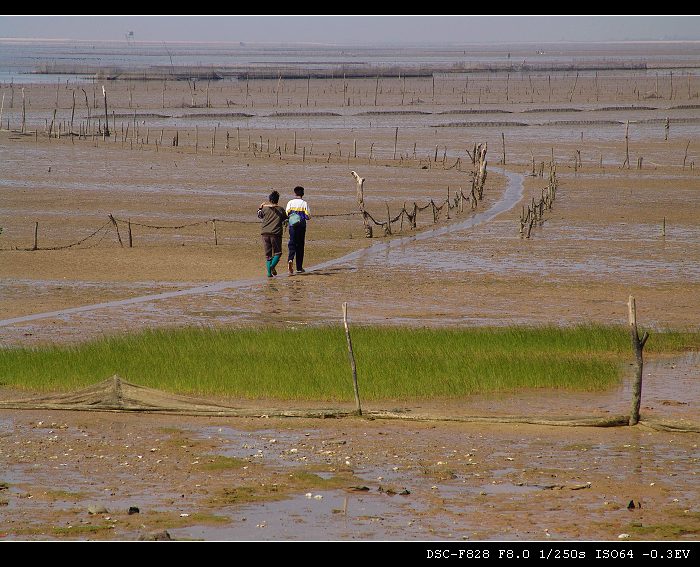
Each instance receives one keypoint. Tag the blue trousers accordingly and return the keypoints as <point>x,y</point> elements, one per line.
<point>297,236</point>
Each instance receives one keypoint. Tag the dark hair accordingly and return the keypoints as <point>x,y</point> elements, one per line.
<point>274,197</point>
<point>299,191</point>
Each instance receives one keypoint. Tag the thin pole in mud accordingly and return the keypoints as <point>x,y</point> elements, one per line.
<point>663,227</point>
<point>396,139</point>
<point>104,94</point>
<point>196,138</point>
<point>685,157</point>
<point>667,127</point>
<point>627,146</point>
<point>72,114</point>
<point>376,90</point>
<point>353,367</point>
<point>503,139</point>
<point>24,111</point>
<point>216,238</point>
<point>638,346</point>
<point>131,238</point>
<point>2,107</point>
<point>36,236</point>
<point>295,143</point>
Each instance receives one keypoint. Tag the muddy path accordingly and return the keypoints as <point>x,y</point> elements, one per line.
<point>511,196</point>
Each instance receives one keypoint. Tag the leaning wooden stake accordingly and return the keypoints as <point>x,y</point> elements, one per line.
<point>116,226</point>
<point>638,346</point>
<point>361,203</point>
<point>216,238</point>
<point>352,359</point>
<point>36,236</point>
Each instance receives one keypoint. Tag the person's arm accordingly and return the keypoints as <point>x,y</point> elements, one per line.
<point>307,212</point>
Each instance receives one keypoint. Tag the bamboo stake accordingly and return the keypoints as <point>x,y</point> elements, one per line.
<point>351,355</point>
<point>638,347</point>
<point>36,236</point>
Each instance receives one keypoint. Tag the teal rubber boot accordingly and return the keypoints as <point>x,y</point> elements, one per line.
<point>275,260</point>
<point>268,266</point>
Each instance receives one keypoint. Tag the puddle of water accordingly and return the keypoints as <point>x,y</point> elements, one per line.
<point>335,516</point>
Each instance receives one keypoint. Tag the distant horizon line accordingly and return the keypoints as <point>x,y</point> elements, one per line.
<point>344,45</point>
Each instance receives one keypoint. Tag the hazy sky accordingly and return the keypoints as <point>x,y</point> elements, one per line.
<point>354,30</point>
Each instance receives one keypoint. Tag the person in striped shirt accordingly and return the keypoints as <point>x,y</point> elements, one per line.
<point>298,213</point>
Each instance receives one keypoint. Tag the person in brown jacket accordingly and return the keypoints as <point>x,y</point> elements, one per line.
<point>273,217</point>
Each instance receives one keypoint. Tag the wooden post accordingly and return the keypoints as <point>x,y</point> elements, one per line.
<point>667,127</point>
<point>116,226</point>
<point>503,139</point>
<point>388,218</point>
<point>2,107</point>
<point>351,355</point>
<point>36,236</point>
<point>376,90</point>
<point>295,143</point>
<point>396,138</point>
<point>196,138</point>
<point>213,140</point>
<point>131,239</point>
<point>216,238</point>
<point>354,148</point>
<point>104,94</point>
<point>663,227</point>
<point>448,202</point>
<point>627,146</point>
<point>685,157</point>
<point>638,346</point>
<point>361,203</point>
<point>24,111</point>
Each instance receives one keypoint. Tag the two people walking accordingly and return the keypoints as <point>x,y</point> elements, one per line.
<point>273,217</point>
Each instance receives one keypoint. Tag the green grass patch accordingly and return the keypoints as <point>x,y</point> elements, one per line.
<point>312,363</point>
<point>220,463</point>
